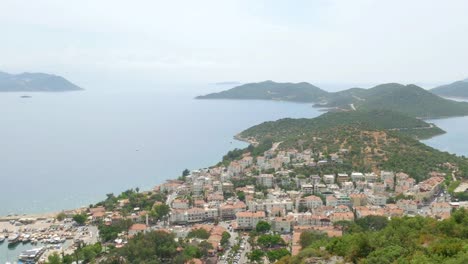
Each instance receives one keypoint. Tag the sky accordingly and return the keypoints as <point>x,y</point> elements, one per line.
<point>96,42</point>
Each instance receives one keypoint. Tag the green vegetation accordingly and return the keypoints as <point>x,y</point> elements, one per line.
<point>456,89</point>
<point>60,216</point>
<point>225,238</point>
<point>407,99</point>
<point>80,219</point>
<point>401,240</point>
<point>256,255</point>
<point>269,90</point>
<point>111,232</point>
<point>255,151</point>
<point>199,233</point>
<point>269,241</point>
<point>262,227</point>
<point>157,247</point>
<point>142,200</point>
<point>86,254</point>
<point>374,140</point>
<point>288,128</point>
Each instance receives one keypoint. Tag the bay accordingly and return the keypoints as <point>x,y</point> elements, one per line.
<point>67,150</point>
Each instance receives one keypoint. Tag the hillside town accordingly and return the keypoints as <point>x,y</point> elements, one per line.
<point>228,202</point>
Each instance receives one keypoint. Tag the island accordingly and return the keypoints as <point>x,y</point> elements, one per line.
<point>35,82</point>
<point>411,100</point>
<point>457,89</point>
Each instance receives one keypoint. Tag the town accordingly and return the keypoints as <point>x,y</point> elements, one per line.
<point>254,209</point>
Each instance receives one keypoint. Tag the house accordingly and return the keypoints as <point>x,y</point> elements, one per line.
<point>309,202</point>
<point>329,179</point>
<point>341,216</point>
<point>137,228</point>
<point>282,224</point>
<point>180,204</point>
<point>358,199</point>
<point>408,206</point>
<point>249,220</point>
<point>342,177</point>
<point>357,176</point>
<point>377,199</point>
<point>265,180</point>
<point>331,200</point>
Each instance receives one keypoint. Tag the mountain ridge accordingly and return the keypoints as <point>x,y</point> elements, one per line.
<point>408,99</point>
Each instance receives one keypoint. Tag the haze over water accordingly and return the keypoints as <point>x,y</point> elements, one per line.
<point>66,150</point>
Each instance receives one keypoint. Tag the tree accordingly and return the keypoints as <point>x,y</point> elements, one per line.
<point>274,255</point>
<point>61,216</point>
<point>199,233</point>
<point>256,255</point>
<point>80,219</point>
<point>54,259</point>
<point>241,196</point>
<point>268,241</point>
<point>161,211</point>
<point>225,238</point>
<point>262,227</point>
<point>308,237</point>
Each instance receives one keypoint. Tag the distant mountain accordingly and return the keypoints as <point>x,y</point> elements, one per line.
<point>408,99</point>
<point>269,90</point>
<point>411,100</point>
<point>456,89</point>
<point>35,82</point>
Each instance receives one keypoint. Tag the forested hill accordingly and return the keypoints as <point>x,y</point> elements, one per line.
<point>375,140</point>
<point>456,89</point>
<point>269,90</point>
<point>289,128</point>
<point>411,100</point>
<point>35,82</point>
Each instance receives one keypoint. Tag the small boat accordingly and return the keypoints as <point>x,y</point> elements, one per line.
<point>25,96</point>
<point>2,238</point>
<point>13,239</point>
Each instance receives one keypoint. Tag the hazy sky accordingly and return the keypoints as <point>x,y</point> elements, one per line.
<point>358,41</point>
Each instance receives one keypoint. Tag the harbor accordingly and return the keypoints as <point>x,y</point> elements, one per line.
<point>32,240</point>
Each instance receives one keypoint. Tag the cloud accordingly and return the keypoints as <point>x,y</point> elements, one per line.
<point>339,41</point>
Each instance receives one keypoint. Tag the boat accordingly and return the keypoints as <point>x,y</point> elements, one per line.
<point>2,238</point>
<point>13,239</point>
<point>31,255</point>
<point>25,96</point>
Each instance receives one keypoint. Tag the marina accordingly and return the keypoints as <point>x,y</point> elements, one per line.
<point>33,240</point>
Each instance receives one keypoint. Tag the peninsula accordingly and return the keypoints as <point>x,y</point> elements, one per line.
<point>35,82</point>
<point>411,100</point>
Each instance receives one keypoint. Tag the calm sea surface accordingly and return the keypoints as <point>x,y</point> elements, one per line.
<point>66,150</point>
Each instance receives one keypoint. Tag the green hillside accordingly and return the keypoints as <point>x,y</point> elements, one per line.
<point>377,240</point>
<point>288,128</point>
<point>269,90</point>
<point>408,99</point>
<point>456,89</point>
<point>376,140</point>
<point>411,100</point>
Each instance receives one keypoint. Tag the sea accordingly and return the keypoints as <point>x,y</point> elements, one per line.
<point>68,150</point>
